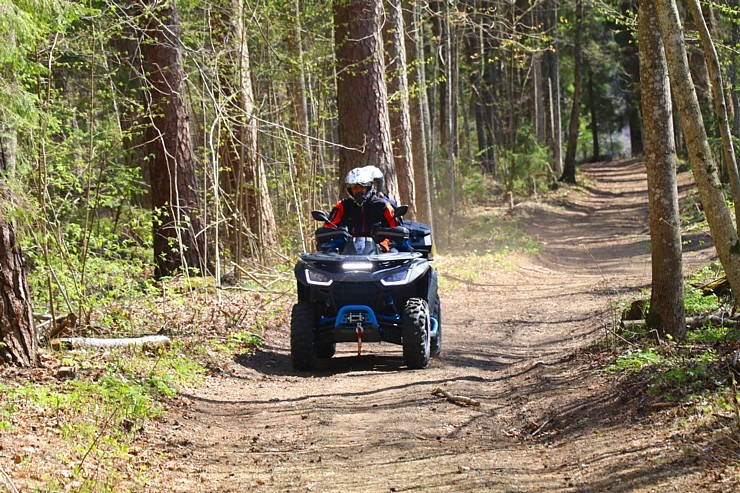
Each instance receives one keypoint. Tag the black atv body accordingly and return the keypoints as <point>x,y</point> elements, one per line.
<point>360,295</point>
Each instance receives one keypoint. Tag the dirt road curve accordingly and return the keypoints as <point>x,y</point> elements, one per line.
<point>514,340</point>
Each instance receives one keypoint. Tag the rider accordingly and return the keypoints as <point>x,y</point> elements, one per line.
<point>379,181</point>
<point>363,209</point>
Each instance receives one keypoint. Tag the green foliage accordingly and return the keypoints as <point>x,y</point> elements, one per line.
<point>115,264</point>
<point>693,372</point>
<point>696,302</point>
<point>527,160</point>
<point>635,360</point>
<point>691,213</point>
<point>127,389</point>
<point>99,414</point>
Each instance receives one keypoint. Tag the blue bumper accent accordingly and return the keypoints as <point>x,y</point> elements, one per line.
<point>351,315</point>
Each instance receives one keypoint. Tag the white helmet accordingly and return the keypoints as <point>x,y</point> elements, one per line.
<point>360,176</point>
<point>377,176</point>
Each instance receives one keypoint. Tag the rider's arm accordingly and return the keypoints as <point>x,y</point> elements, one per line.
<point>336,215</point>
<point>390,215</point>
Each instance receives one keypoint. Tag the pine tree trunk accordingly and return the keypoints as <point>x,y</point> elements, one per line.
<point>398,106</point>
<point>416,110</point>
<point>596,148</point>
<point>260,214</point>
<point>305,171</point>
<point>569,167</point>
<point>18,341</point>
<point>362,97</point>
<point>179,242</point>
<point>631,64</point>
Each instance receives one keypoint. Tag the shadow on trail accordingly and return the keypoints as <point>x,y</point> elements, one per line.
<point>336,397</point>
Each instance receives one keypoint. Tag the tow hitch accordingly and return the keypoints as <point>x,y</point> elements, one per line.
<point>359,330</point>
<point>359,319</point>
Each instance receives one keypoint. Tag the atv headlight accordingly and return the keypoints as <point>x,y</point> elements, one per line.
<point>317,278</point>
<point>357,265</point>
<point>400,277</point>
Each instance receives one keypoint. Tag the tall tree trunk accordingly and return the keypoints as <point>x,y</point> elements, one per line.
<point>440,34</point>
<point>304,163</point>
<point>733,82</point>
<point>703,166</point>
<point>259,211</point>
<point>666,314</point>
<point>720,106</point>
<point>18,341</point>
<point>179,242</point>
<point>417,94</point>
<point>632,68</point>
<point>398,106</point>
<point>594,118</point>
<point>569,168</point>
<point>362,102</point>
<point>556,137</point>
<point>492,77</point>
<point>450,104</point>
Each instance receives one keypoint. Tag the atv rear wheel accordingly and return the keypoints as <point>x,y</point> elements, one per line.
<point>415,333</point>
<point>435,344</point>
<point>302,343</point>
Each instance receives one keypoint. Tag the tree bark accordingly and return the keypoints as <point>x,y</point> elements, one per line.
<point>398,106</point>
<point>18,341</point>
<point>362,101</point>
<point>666,314</point>
<point>254,218</point>
<point>179,242</point>
<point>556,137</point>
<point>632,69</point>
<point>720,106</point>
<point>596,149</point>
<point>569,167</point>
<point>703,166</point>
<point>305,170</point>
<point>417,93</point>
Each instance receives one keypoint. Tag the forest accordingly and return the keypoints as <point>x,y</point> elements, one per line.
<point>151,140</point>
<point>160,161</point>
<point>158,139</point>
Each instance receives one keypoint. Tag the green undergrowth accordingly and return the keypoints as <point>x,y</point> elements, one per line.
<point>93,408</point>
<point>693,377</point>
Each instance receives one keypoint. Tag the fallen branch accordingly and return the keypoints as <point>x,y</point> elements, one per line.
<point>95,342</point>
<point>9,481</point>
<point>455,399</point>
<point>541,427</point>
<point>691,322</point>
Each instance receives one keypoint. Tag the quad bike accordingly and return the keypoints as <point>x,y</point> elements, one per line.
<point>359,294</point>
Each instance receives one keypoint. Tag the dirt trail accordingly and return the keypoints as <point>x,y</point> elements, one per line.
<point>513,341</point>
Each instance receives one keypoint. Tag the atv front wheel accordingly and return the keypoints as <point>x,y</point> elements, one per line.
<point>415,333</point>
<point>325,350</point>
<point>302,344</point>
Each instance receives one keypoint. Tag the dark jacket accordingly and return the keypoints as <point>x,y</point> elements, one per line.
<point>360,220</point>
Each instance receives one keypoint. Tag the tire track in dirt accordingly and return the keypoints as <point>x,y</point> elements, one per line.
<point>513,341</point>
